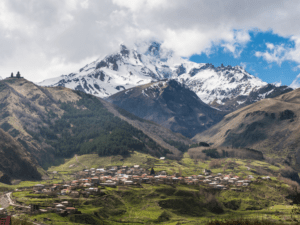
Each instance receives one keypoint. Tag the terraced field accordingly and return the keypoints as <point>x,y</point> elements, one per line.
<point>265,200</point>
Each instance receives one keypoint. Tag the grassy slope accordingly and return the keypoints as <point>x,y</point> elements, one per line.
<point>185,204</point>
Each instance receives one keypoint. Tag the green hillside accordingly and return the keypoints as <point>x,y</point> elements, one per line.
<point>265,200</point>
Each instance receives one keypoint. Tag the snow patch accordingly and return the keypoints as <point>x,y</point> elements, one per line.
<point>145,94</point>
<point>240,102</point>
<point>262,96</point>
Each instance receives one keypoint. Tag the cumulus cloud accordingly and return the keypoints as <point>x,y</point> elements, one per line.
<point>47,38</point>
<point>277,54</point>
<point>280,53</point>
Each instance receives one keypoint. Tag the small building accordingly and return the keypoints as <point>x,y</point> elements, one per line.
<point>71,210</point>
<point>219,186</point>
<point>87,185</point>
<point>60,207</point>
<point>95,180</point>
<point>74,194</point>
<point>65,191</point>
<point>162,158</point>
<point>93,190</point>
<point>38,187</point>
<point>65,203</point>
<point>128,182</point>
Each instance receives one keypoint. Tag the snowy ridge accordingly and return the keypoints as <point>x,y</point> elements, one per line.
<point>217,84</point>
<point>1,78</point>
<point>122,70</point>
<point>149,62</point>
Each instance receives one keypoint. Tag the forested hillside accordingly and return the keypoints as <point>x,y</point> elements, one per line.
<point>87,127</point>
<point>52,123</point>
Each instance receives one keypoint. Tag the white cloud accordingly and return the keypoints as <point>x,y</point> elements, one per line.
<point>243,64</point>
<point>277,83</point>
<point>76,30</point>
<point>236,44</point>
<point>276,53</point>
<point>296,83</point>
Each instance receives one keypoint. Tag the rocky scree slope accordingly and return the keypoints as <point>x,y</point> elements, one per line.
<point>170,104</point>
<point>226,88</point>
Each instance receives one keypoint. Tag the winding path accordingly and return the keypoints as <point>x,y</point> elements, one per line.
<point>79,162</point>
<point>7,195</point>
<point>10,201</point>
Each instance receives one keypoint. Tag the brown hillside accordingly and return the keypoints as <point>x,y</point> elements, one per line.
<point>270,125</point>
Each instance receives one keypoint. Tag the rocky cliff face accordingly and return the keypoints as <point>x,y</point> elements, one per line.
<point>227,88</point>
<point>170,104</point>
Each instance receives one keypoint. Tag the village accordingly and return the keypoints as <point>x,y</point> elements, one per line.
<point>91,182</point>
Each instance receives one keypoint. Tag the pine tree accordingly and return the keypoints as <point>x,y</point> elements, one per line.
<point>152,172</point>
<point>18,75</point>
<point>12,75</point>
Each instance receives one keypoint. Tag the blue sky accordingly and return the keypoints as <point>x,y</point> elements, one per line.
<point>45,39</point>
<point>270,72</point>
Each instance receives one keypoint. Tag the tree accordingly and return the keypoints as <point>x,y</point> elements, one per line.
<point>18,75</point>
<point>152,172</point>
<point>12,75</point>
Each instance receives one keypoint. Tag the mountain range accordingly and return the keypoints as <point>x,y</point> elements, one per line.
<point>143,99</point>
<point>226,88</point>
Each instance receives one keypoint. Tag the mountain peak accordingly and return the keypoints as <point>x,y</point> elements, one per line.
<point>169,103</point>
<point>154,49</point>
<point>124,50</point>
<point>149,62</point>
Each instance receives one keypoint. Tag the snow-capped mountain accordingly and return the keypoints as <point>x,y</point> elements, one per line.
<point>122,70</point>
<point>217,84</point>
<point>148,62</point>
<point>1,78</point>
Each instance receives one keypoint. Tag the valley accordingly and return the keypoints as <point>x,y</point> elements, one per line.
<point>151,154</point>
<point>149,112</point>
<point>163,201</point>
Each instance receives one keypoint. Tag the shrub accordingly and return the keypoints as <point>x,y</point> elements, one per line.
<point>213,204</point>
<point>216,163</point>
<point>240,222</point>
<point>204,144</point>
<point>233,204</point>
<point>211,153</point>
<point>164,217</point>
